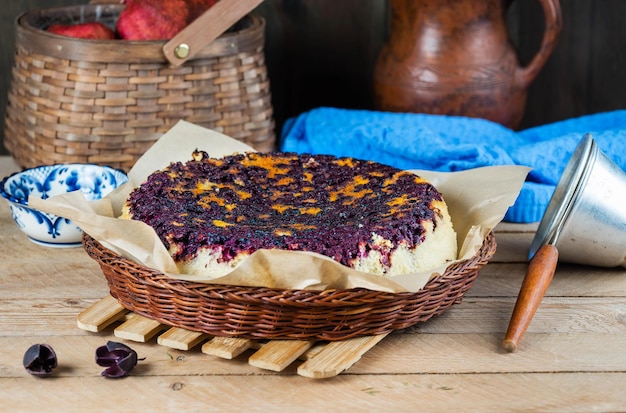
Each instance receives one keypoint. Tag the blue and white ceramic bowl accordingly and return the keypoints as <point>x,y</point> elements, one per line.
<point>47,229</point>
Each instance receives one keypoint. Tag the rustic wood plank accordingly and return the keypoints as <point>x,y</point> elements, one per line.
<point>100,315</point>
<point>276,355</point>
<point>7,166</point>
<point>396,354</point>
<point>505,279</point>
<point>512,247</point>
<point>483,353</point>
<point>561,393</point>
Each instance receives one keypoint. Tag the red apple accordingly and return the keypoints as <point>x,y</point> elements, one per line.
<point>152,19</point>
<point>197,7</point>
<point>90,30</point>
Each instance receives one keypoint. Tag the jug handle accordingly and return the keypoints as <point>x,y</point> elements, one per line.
<point>553,23</point>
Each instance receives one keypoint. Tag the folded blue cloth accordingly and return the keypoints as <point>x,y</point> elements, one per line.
<point>453,143</point>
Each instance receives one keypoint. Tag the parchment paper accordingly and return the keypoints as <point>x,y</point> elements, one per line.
<point>477,200</point>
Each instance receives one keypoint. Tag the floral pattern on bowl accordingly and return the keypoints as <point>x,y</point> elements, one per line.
<point>47,229</point>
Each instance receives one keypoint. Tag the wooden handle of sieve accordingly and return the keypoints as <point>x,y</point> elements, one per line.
<point>538,277</point>
<point>206,28</point>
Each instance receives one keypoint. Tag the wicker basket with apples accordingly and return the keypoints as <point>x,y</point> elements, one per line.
<point>100,83</point>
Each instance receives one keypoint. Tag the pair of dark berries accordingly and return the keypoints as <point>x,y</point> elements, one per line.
<point>118,358</point>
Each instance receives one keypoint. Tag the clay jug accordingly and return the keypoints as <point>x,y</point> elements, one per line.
<point>454,57</point>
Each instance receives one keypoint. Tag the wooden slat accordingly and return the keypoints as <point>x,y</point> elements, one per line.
<point>226,347</point>
<point>313,351</point>
<point>180,338</point>
<point>276,355</point>
<point>138,328</point>
<point>337,356</point>
<point>99,316</point>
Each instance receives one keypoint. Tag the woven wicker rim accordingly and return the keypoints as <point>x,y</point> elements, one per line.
<point>269,313</point>
<point>33,38</point>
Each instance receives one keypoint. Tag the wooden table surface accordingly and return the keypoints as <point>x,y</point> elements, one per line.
<point>572,359</point>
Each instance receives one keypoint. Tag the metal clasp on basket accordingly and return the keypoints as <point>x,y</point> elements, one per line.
<point>182,51</point>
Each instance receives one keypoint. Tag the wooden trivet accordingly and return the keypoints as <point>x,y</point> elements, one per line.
<point>321,359</point>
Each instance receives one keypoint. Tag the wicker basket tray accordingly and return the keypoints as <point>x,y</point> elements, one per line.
<point>266,313</point>
<point>107,102</point>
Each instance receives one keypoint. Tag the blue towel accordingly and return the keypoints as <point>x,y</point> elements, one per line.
<point>454,143</point>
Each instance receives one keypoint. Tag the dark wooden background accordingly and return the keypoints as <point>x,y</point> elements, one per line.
<point>322,52</point>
